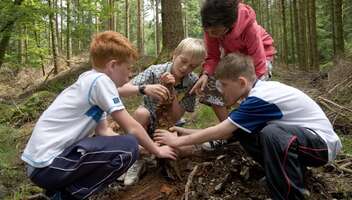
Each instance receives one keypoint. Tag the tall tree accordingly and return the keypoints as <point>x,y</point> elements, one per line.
<point>68,33</point>
<point>172,26</point>
<point>6,30</point>
<point>140,42</point>
<point>157,27</point>
<point>285,43</point>
<point>127,19</point>
<point>340,47</point>
<point>53,36</point>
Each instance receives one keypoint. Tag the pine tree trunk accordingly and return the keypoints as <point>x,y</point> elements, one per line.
<point>285,44</point>
<point>68,33</point>
<point>127,19</point>
<point>6,32</point>
<point>53,37</point>
<point>172,27</point>
<point>303,35</point>
<point>292,34</point>
<point>340,47</point>
<point>157,27</point>
<point>140,42</point>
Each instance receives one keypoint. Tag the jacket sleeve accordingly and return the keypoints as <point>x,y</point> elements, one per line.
<point>213,54</point>
<point>255,49</point>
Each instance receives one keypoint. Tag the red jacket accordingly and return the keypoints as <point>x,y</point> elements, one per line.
<point>246,37</point>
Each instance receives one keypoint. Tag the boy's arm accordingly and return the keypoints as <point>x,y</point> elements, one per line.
<point>153,90</point>
<point>224,130</point>
<point>130,125</point>
<point>103,129</point>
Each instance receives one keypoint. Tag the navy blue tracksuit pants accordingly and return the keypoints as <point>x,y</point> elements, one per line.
<point>88,166</point>
<point>284,152</point>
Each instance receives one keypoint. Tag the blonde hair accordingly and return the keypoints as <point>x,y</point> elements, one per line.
<point>234,65</point>
<point>193,46</point>
<point>109,45</point>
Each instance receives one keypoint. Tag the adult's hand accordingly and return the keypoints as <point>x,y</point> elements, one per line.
<point>198,88</point>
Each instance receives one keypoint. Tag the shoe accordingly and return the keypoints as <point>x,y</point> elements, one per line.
<point>180,122</point>
<point>135,172</point>
<point>213,145</point>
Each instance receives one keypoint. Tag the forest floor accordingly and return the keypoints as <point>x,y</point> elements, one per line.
<point>227,173</point>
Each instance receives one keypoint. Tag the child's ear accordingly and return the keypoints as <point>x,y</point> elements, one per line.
<point>243,81</point>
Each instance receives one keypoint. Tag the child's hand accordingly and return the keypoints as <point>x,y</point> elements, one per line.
<point>198,88</point>
<point>167,78</point>
<point>165,137</point>
<point>179,130</point>
<point>157,91</point>
<point>167,152</point>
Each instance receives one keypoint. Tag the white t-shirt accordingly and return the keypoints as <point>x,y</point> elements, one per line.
<point>71,117</point>
<point>271,102</point>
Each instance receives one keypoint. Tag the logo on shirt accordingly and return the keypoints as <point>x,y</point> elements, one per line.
<point>116,100</point>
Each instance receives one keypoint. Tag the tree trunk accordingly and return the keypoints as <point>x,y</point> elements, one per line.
<point>340,47</point>
<point>172,27</point>
<point>303,35</point>
<point>127,19</point>
<point>185,20</point>
<point>68,33</point>
<point>53,37</point>
<point>285,45</point>
<point>7,30</point>
<point>157,27</point>
<point>292,26</point>
<point>140,42</point>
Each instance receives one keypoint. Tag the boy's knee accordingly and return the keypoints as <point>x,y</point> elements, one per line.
<point>141,115</point>
<point>269,132</point>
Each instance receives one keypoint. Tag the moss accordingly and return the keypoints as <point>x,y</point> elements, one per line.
<point>27,111</point>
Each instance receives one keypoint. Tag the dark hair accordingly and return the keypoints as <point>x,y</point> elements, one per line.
<point>234,65</point>
<point>219,13</point>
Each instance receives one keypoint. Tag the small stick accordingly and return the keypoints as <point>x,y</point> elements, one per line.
<point>189,181</point>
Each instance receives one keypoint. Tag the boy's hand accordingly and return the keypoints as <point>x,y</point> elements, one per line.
<point>167,152</point>
<point>167,78</point>
<point>157,91</point>
<point>166,137</point>
<point>179,130</point>
<point>198,88</point>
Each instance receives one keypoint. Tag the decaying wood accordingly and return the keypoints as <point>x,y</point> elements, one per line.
<point>344,167</point>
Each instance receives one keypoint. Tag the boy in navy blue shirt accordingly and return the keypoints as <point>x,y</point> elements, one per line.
<point>279,126</point>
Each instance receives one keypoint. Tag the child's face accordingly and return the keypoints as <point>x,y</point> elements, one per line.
<point>232,90</point>
<point>216,31</point>
<point>119,72</point>
<point>184,64</point>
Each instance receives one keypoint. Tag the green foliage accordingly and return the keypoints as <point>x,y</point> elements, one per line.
<point>29,110</point>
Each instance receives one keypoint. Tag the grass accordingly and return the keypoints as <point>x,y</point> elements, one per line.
<point>346,144</point>
<point>13,182</point>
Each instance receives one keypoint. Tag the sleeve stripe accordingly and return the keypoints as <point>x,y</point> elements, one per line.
<point>239,126</point>
<point>114,108</point>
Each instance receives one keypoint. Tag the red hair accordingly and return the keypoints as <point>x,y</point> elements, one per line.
<point>110,45</point>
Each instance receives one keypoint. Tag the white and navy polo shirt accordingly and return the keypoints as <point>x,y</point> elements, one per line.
<point>271,102</point>
<point>71,117</point>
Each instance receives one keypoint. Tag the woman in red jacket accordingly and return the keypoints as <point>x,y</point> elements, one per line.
<point>231,26</point>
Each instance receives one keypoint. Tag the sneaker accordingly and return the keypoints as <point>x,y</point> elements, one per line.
<point>134,172</point>
<point>213,145</point>
<point>180,122</point>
